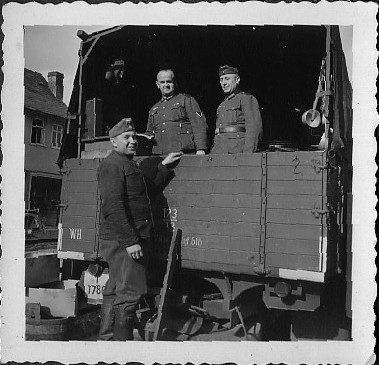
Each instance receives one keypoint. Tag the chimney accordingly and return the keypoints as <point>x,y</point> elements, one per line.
<point>56,84</point>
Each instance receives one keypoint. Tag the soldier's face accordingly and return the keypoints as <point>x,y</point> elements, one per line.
<point>165,83</point>
<point>229,83</point>
<point>125,143</point>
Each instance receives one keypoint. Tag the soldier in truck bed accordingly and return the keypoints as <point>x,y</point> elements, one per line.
<point>126,229</point>
<point>176,121</point>
<point>239,122</point>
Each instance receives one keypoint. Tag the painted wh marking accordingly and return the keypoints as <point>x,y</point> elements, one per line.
<point>76,233</point>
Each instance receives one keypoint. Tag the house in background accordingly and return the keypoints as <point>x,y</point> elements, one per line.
<point>45,115</point>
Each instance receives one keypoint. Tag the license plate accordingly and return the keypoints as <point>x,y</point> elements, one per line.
<point>94,287</point>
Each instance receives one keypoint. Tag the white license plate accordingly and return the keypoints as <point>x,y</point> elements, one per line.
<point>94,287</point>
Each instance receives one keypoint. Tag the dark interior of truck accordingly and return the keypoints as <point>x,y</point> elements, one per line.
<point>279,65</point>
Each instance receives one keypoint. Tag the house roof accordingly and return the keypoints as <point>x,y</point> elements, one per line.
<point>39,97</point>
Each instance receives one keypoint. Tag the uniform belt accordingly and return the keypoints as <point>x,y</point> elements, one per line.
<point>230,129</point>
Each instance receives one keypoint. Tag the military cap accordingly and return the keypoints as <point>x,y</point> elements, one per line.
<point>124,125</point>
<point>226,70</point>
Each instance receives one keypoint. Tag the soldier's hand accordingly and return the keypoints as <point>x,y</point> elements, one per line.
<point>200,153</point>
<point>171,158</point>
<point>135,251</point>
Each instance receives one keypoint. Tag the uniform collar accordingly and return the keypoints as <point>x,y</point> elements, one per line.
<point>168,98</point>
<point>234,93</point>
<point>121,155</point>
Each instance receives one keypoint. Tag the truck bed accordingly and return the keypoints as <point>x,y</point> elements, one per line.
<point>260,213</point>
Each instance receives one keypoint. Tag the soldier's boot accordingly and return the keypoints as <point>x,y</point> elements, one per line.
<point>124,325</point>
<point>107,321</point>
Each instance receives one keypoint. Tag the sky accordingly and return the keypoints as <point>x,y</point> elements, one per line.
<point>55,48</point>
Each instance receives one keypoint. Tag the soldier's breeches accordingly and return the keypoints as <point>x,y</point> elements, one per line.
<point>127,277</point>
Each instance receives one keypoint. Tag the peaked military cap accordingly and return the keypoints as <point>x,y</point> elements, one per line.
<point>124,125</point>
<point>226,70</point>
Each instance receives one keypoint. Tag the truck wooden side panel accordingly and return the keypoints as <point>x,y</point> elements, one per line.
<point>238,213</point>
<point>216,201</point>
<point>80,213</point>
<point>294,192</point>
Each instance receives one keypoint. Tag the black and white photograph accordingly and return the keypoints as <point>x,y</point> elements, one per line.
<point>196,178</point>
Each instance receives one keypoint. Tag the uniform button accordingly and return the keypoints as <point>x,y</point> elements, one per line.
<point>163,131</point>
<point>187,131</point>
<point>164,115</point>
<point>163,123</point>
<point>164,107</point>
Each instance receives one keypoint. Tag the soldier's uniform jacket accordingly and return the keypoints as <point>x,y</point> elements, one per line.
<point>177,124</point>
<point>238,109</point>
<point>125,207</point>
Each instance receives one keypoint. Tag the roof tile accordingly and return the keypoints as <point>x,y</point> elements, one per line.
<point>38,95</point>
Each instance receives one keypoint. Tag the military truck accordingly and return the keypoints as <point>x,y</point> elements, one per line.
<point>264,232</point>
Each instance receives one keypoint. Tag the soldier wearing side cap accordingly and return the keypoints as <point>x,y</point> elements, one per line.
<point>176,121</point>
<point>239,123</point>
<point>126,229</point>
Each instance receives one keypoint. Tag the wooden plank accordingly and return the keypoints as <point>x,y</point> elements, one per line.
<point>239,159</point>
<point>220,256</point>
<point>95,154</point>
<point>293,173</point>
<point>289,158</point>
<point>88,175</point>
<point>293,246</point>
<point>292,217</point>
<point>88,247</point>
<point>214,200</point>
<point>219,242</point>
<point>79,198</point>
<point>78,221</point>
<point>213,187</point>
<point>166,289</point>
<point>81,210</point>
<point>300,231</point>
<point>236,229</point>
<point>79,164</point>
<point>306,202</point>
<point>219,214</point>
<point>287,261</point>
<point>294,187</point>
<point>79,186</point>
<point>216,266</point>
<point>219,173</point>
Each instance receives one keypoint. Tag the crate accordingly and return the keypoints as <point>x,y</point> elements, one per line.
<point>41,267</point>
<point>57,300</point>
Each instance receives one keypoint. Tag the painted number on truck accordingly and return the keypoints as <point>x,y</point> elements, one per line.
<point>76,233</point>
<point>192,241</point>
<point>170,217</point>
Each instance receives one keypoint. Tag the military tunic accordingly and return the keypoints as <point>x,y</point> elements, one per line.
<point>177,124</point>
<point>240,110</point>
<point>125,221</point>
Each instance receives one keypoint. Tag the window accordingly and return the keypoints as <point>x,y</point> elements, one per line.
<point>44,195</point>
<point>38,132</point>
<point>56,136</point>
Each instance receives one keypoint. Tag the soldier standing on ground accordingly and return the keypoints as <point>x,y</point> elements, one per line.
<point>126,229</point>
<point>239,122</point>
<point>176,121</point>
